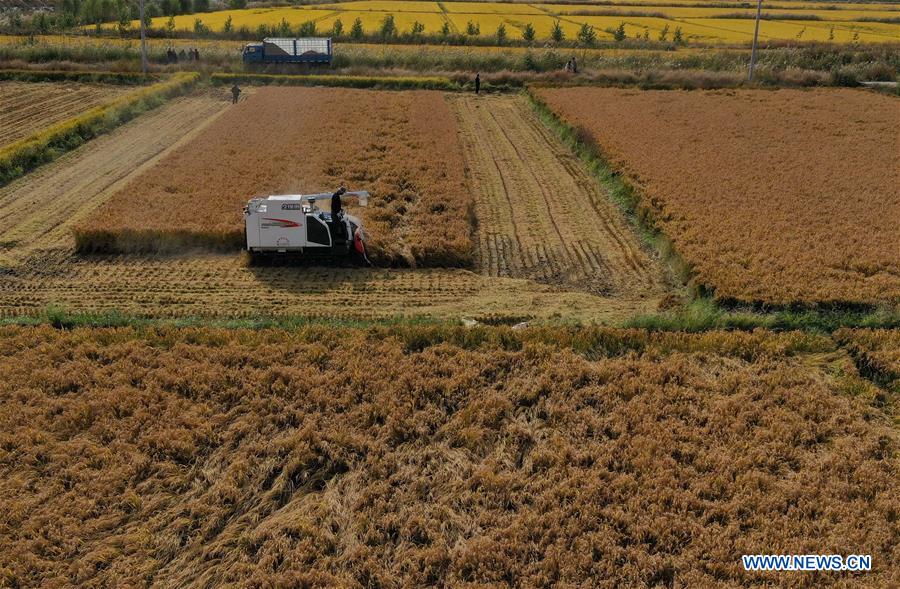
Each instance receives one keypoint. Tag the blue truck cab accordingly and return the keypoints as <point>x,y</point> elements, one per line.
<point>311,50</point>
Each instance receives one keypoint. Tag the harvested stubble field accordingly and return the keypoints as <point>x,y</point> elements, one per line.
<point>401,146</point>
<point>540,214</point>
<point>222,287</point>
<point>38,211</point>
<point>38,266</point>
<point>777,197</point>
<point>434,456</point>
<point>28,107</point>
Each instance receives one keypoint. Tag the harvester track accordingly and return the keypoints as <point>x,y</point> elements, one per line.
<point>540,214</point>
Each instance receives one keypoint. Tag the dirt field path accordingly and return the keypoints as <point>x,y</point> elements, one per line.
<point>37,210</point>
<point>540,215</point>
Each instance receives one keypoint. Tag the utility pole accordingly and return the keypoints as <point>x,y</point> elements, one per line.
<point>143,42</point>
<point>755,37</point>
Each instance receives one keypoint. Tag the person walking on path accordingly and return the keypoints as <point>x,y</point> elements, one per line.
<point>235,92</point>
<point>477,83</point>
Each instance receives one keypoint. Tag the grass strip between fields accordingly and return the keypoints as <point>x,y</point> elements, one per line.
<point>20,157</point>
<point>699,316</point>
<point>376,82</point>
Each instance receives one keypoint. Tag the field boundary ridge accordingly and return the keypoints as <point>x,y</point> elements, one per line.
<point>368,82</point>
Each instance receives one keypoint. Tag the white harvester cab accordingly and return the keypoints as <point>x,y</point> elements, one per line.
<point>294,224</point>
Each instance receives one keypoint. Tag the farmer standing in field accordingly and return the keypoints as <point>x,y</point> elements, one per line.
<point>477,83</point>
<point>235,92</point>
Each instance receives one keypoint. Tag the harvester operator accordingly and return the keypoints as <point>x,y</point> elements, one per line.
<point>337,209</point>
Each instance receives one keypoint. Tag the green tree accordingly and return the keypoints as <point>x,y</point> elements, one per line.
<point>445,29</point>
<point>123,20</point>
<point>619,33</point>
<point>185,6</point>
<point>229,25</point>
<point>170,25</point>
<point>831,34</point>
<point>201,5</point>
<point>356,31</point>
<point>473,29</point>
<point>41,23</point>
<point>664,33</point>
<point>556,33</point>
<point>284,29</point>
<point>199,27</point>
<point>148,19</point>
<point>388,27</point>
<point>528,32</point>
<point>501,34</point>
<point>337,29</point>
<point>417,29</point>
<point>306,29</point>
<point>646,34</point>
<point>586,35</point>
<point>169,7</point>
<point>237,4</point>
<point>678,36</point>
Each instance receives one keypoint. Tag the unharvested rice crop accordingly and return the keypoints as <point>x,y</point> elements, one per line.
<point>28,107</point>
<point>401,146</point>
<point>200,457</point>
<point>876,352</point>
<point>777,197</point>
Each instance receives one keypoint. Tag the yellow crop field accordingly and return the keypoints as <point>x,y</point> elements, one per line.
<point>493,8</point>
<point>244,18</point>
<point>385,6</point>
<point>698,24</point>
<point>372,21</point>
<point>742,29</point>
<point>717,12</point>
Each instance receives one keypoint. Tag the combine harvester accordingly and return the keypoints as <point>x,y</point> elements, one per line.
<point>292,226</point>
<point>302,50</point>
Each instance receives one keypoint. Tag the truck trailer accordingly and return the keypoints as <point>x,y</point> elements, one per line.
<point>310,50</point>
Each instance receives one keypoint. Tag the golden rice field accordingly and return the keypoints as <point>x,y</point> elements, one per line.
<point>435,457</point>
<point>716,24</point>
<point>778,197</point>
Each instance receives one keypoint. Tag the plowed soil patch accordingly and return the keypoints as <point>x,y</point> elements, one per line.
<point>772,196</point>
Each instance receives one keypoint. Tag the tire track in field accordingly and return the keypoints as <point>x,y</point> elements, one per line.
<point>540,214</point>
<point>37,210</point>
